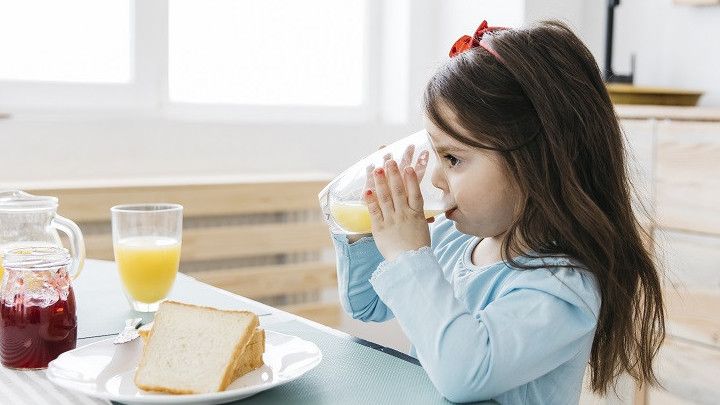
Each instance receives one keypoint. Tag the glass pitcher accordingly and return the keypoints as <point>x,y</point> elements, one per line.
<point>341,200</point>
<point>28,220</point>
<point>38,320</point>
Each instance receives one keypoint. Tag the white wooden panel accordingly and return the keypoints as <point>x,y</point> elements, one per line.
<point>688,176</point>
<point>689,371</point>
<point>692,287</point>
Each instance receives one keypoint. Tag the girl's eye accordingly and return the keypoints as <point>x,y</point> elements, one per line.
<point>452,160</point>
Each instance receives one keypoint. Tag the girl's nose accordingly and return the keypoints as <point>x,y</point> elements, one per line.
<point>438,179</point>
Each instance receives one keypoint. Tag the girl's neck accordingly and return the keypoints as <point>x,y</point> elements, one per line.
<point>489,250</point>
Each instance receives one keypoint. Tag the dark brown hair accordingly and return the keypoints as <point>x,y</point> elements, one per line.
<point>544,107</point>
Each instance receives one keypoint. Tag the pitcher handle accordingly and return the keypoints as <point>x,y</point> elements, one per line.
<point>77,243</point>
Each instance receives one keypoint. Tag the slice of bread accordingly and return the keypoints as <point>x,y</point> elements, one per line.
<point>251,358</point>
<point>144,331</point>
<point>192,349</point>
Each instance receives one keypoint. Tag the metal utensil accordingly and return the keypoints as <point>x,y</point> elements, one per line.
<point>130,332</point>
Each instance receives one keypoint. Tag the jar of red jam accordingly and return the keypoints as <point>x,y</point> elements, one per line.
<point>38,321</point>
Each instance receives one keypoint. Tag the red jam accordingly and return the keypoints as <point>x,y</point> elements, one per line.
<point>32,336</point>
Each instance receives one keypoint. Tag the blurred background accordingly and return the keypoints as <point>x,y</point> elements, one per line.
<point>242,110</point>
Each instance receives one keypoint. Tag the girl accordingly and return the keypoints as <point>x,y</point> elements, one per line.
<point>539,267</point>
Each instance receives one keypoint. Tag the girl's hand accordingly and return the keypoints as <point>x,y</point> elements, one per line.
<point>396,211</point>
<point>405,161</point>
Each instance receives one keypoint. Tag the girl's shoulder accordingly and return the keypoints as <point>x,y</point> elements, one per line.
<point>560,276</point>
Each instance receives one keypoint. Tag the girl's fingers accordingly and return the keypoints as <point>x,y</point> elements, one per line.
<point>414,197</point>
<point>407,156</point>
<point>421,164</point>
<point>369,181</point>
<point>384,197</point>
<point>396,185</point>
<point>373,207</point>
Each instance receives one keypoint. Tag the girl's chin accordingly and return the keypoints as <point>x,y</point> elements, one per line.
<point>463,227</point>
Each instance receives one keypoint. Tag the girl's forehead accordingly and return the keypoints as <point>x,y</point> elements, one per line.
<point>441,140</point>
<point>444,143</point>
<point>439,137</point>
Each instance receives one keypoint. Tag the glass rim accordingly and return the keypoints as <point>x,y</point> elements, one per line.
<point>143,208</point>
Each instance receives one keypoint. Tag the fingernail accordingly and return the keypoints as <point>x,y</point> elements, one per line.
<point>368,192</point>
<point>424,157</point>
<point>380,171</point>
<point>409,170</point>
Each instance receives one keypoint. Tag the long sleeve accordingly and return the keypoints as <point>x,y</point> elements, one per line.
<point>534,326</point>
<point>355,264</point>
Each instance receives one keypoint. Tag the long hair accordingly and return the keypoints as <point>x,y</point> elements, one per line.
<point>542,104</point>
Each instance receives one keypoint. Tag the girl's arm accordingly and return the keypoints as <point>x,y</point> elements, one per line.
<point>355,263</point>
<point>535,326</point>
<point>358,257</point>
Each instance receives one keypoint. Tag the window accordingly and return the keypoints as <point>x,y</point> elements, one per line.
<point>212,58</point>
<point>82,41</point>
<point>270,52</point>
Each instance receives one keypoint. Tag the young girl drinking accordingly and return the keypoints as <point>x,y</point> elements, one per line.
<point>540,267</point>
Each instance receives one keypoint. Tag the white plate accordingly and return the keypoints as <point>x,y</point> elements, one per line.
<point>104,370</point>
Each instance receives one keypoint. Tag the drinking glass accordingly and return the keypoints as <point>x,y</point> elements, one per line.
<point>146,242</point>
<point>342,202</point>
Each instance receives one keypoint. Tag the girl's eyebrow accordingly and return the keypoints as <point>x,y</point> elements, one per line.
<point>447,148</point>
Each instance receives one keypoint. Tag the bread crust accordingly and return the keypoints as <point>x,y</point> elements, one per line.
<point>252,357</point>
<point>239,349</point>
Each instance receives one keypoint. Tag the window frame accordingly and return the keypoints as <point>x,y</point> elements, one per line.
<point>147,92</point>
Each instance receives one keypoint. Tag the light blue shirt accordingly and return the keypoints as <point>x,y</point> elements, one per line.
<point>490,332</point>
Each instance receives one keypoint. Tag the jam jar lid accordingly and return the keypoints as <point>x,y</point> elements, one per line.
<point>36,258</point>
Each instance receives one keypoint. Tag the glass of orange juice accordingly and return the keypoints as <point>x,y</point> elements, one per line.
<point>354,216</point>
<point>146,241</point>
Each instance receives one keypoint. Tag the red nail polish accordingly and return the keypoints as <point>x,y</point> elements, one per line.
<point>380,171</point>
<point>368,193</point>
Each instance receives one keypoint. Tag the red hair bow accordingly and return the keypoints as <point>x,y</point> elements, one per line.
<point>467,42</point>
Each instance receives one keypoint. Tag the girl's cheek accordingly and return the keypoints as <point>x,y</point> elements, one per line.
<point>451,187</point>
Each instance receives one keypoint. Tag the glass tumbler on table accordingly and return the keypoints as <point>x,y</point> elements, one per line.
<point>146,242</point>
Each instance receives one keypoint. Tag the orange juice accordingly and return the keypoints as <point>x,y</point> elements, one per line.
<point>355,217</point>
<point>148,266</point>
<point>2,270</point>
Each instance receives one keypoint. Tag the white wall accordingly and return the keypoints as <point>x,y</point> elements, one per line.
<point>676,46</point>
<point>58,147</point>
<point>111,148</point>
<point>570,12</point>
